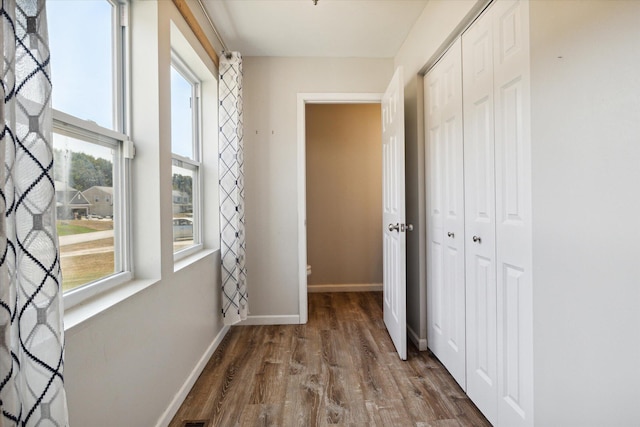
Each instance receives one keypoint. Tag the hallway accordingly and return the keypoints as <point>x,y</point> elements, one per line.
<point>339,368</point>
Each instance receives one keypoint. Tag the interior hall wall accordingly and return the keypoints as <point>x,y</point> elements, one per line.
<point>344,193</point>
<point>585,92</point>
<point>271,86</point>
<point>127,365</point>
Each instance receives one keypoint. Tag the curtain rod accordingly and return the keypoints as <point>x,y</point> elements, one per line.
<point>225,50</point>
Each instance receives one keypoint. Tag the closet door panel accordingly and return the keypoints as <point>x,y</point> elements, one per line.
<point>479,166</point>
<point>454,212</point>
<point>436,324</point>
<point>513,213</point>
<point>446,281</point>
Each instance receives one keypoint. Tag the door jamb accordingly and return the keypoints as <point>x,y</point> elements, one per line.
<point>303,99</point>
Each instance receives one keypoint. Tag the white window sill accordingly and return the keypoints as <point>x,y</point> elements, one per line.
<point>79,313</point>
<point>187,252</point>
<point>192,258</point>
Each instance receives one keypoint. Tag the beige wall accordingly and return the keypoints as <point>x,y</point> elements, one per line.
<point>271,87</point>
<point>344,193</point>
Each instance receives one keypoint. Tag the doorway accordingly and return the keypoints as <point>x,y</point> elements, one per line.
<point>303,100</point>
<point>344,197</point>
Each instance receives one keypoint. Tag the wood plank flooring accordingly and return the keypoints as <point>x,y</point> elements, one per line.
<point>339,369</point>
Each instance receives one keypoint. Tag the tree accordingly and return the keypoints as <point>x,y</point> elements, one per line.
<point>82,170</point>
<point>183,183</point>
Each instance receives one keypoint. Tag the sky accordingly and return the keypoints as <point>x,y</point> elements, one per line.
<point>81,45</point>
<point>80,41</point>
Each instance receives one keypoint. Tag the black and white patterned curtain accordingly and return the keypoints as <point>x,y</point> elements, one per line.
<point>31,331</point>
<point>231,174</point>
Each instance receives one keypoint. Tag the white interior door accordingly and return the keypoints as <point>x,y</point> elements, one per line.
<point>393,215</point>
<point>445,218</point>
<point>513,213</point>
<point>480,224</point>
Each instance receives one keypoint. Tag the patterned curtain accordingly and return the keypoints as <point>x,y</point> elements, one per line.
<point>231,179</point>
<point>31,331</point>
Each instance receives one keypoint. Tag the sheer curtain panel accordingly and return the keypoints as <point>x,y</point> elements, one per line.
<point>231,180</point>
<point>31,331</point>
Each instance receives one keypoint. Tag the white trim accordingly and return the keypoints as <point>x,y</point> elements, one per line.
<point>346,287</point>
<point>303,99</point>
<point>82,293</point>
<point>179,398</point>
<point>78,128</point>
<point>421,343</point>
<point>291,319</point>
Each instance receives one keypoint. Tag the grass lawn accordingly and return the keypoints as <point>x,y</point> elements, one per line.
<point>79,226</point>
<point>65,229</point>
<point>79,268</point>
<point>82,269</point>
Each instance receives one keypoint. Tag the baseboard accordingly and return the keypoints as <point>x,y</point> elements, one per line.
<point>421,343</point>
<point>179,398</point>
<point>293,319</point>
<point>347,287</point>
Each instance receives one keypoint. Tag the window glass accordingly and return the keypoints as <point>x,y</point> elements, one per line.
<point>84,178</point>
<point>82,59</point>
<point>186,159</point>
<point>182,196</point>
<point>181,115</point>
<point>91,173</point>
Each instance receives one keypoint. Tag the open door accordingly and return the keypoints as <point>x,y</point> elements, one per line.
<point>393,214</point>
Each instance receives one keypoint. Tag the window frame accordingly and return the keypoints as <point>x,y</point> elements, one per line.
<point>194,164</point>
<point>117,139</point>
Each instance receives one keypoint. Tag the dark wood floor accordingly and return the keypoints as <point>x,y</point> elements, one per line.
<point>338,369</point>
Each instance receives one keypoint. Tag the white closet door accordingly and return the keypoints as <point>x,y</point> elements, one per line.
<point>480,226</point>
<point>445,179</point>
<point>513,213</point>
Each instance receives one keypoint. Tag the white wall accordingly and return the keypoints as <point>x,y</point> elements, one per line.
<point>586,211</point>
<point>125,365</point>
<point>428,36</point>
<point>270,89</point>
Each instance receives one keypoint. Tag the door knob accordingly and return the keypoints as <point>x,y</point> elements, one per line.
<point>394,227</point>
<point>450,234</point>
<point>477,239</point>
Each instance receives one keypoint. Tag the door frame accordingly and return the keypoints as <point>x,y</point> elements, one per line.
<point>303,100</point>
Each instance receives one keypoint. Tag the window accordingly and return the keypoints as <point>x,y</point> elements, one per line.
<point>186,153</point>
<point>91,148</point>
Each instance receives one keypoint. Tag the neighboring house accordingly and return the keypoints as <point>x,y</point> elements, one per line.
<point>70,203</point>
<point>101,200</point>
<point>181,202</point>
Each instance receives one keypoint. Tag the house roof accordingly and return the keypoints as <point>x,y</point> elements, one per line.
<point>79,200</point>
<point>108,190</point>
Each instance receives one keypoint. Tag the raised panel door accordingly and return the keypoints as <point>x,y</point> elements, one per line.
<point>513,213</point>
<point>393,214</point>
<point>480,235</point>
<point>445,222</point>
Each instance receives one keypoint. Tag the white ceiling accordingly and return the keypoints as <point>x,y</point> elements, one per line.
<point>332,28</point>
